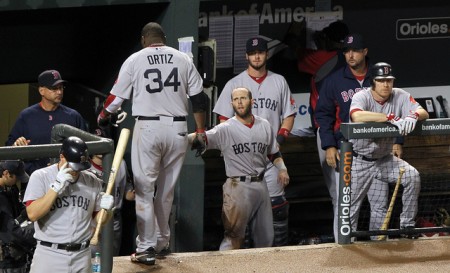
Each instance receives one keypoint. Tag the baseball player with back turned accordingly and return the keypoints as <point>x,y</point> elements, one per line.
<point>272,101</point>
<point>62,200</point>
<point>158,79</point>
<point>246,142</point>
<point>373,160</point>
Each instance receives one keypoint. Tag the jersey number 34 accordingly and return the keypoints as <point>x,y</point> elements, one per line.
<point>154,74</point>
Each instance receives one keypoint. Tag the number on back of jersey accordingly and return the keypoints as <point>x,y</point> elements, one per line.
<point>157,85</point>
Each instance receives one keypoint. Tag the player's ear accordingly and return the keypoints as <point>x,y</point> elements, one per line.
<point>366,50</point>
<point>41,90</point>
<point>62,158</point>
<point>143,44</point>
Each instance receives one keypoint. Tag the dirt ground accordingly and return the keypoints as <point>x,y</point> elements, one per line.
<point>422,255</point>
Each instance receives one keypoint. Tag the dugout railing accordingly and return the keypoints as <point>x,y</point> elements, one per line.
<point>439,128</point>
<point>96,145</point>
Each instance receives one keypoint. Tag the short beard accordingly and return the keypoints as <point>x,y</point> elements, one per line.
<point>247,113</point>
<point>259,67</point>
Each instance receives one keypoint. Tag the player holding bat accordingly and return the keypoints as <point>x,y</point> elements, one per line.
<point>373,161</point>
<point>61,200</point>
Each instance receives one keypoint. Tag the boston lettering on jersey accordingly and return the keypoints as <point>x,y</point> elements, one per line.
<point>266,103</point>
<point>73,201</point>
<point>250,147</point>
<point>347,95</point>
<point>160,59</point>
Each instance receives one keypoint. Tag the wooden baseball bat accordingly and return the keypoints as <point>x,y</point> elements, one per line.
<point>118,156</point>
<point>387,218</point>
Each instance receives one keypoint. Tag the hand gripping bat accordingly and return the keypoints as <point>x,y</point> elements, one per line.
<point>118,156</point>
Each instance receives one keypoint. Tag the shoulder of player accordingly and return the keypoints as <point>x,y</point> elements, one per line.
<point>31,110</point>
<point>399,91</point>
<point>69,111</point>
<point>278,79</point>
<point>162,50</point>
<point>53,168</point>
<point>334,78</point>
<point>259,119</point>
<point>90,175</point>
<point>239,78</point>
<point>271,74</point>
<point>400,94</point>
<point>65,108</point>
<point>39,176</point>
<point>365,92</point>
<point>90,179</point>
<point>227,122</point>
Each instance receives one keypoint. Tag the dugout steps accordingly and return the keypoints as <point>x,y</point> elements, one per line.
<point>401,255</point>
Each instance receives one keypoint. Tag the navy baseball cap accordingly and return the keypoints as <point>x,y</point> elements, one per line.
<point>256,44</point>
<point>50,78</point>
<point>15,167</point>
<point>354,41</point>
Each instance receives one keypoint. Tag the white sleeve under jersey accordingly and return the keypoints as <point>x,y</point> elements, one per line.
<point>244,149</point>
<point>273,98</point>
<point>158,80</point>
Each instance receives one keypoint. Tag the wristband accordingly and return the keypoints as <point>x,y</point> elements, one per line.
<point>390,116</point>
<point>200,131</point>
<point>284,132</point>
<point>102,114</point>
<point>280,165</point>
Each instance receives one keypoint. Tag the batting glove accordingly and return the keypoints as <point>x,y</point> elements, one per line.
<point>62,179</point>
<point>410,122</point>
<point>106,201</point>
<point>397,121</point>
<point>103,119</point>
<point>118,117</point>
<point>199,143</point>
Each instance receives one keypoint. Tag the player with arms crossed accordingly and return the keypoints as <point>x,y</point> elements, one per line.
<point>373,160</point>
<point>246,142</point>
<point>158,79</point>
<point>62,200</point>
<point>272,100</point>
